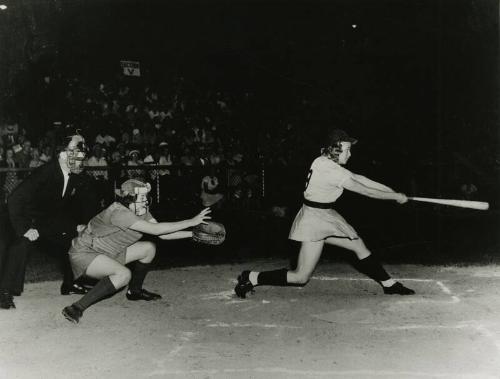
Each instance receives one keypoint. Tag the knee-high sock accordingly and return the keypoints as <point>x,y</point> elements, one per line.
<point>66,271</point>
<point>102,289</point>
<point>273,278</point>
<point>138,275</point>
<point>372,267</point>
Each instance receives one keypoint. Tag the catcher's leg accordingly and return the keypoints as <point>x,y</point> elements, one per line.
<point>143,253</point>
<point>370,265</point>
<point>112,276</point>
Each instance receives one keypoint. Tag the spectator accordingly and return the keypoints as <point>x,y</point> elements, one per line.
<point>188,158</point>
<point>46,154</point>
<point>105,139</point>
<point>97,159</point>
<point>134,161</point>
<point>9,134</point>
<point>11,177</point>
<point>23,158</point>
<point>35,160</point>
<point>211,190</point>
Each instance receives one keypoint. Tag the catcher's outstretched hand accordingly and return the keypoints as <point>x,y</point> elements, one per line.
<point>202,217</point>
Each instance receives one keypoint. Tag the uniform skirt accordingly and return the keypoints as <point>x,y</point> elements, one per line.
<point>315,224</point>
<point>82,254</point>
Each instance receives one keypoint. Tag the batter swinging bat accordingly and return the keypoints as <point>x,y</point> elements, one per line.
<point>454,203</point>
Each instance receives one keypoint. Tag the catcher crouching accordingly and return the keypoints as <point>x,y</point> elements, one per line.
<point>111,240</point>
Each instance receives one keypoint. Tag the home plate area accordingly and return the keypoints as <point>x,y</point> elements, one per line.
<point>340,325</point>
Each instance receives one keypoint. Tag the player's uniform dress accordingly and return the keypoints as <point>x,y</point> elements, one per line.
<point>107,233</point>
<point>317,220</point>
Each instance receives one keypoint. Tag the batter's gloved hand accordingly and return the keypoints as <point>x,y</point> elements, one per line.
<point>211,233</point>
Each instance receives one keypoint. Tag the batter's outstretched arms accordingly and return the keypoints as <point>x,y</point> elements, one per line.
<point>366,187</point>
<point>371,183</point>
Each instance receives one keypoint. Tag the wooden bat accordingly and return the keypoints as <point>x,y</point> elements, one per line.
<point>481,205</point>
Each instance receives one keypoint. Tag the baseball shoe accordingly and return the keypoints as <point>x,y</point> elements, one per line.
<point>244,285</point>
<point>73,289</point>
<point>72,314</point>
<point>6,300</point>
<point>398,289</point>
<point>142,295</point>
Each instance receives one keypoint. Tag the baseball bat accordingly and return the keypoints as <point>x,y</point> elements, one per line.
<point>481,205</point>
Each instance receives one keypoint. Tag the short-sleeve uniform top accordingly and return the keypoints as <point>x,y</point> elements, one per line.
<point>324,184</point>
<point>107,233</point>
<point>325,181</point>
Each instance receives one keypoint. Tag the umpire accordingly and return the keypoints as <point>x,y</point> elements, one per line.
<point>45,211</point>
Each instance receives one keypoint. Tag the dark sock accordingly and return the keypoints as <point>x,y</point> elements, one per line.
<point>67,272</point>
<point>372,267</point>
<point>138,275</point>
<point>273,278</point>
<point>102,289</point>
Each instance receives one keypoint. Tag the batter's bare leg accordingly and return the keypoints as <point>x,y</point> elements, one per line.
<point>309,255</point>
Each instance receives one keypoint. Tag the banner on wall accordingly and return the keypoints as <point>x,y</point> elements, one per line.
<point>131,68</point>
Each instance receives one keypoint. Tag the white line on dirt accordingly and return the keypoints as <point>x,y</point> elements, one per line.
<point>445,289</point>
<point>410,327</point>
<point>251,324</point>
<point>315,373</point>
<point>175,351</point>
<point>324,277</point>
<point>224,295</point>
<point>454,300</point>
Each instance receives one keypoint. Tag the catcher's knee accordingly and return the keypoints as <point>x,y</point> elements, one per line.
<point>121,277</point>
<point>149,252</point>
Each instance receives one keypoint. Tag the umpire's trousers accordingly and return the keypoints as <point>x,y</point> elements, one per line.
<point>15,252</point>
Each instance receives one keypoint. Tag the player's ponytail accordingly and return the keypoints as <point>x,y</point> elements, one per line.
<point>332,152</point>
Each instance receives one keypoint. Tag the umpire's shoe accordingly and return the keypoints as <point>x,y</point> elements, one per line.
<point>244,285</point>
<point>6,299</point>
<point>142,295</point>
<point>398,289</point>
<point>72,313</point>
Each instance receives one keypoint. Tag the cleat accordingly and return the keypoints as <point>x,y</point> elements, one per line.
<point>72,314</point>
<point>244,285</point>
<point>73,289</point>
<point>6,300</point>
<point>398,289</point>
<point>142,295</point>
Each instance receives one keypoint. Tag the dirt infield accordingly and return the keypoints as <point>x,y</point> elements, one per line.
<point>339,326</point>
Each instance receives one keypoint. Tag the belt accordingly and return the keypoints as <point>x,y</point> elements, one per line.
<point>314,204</point>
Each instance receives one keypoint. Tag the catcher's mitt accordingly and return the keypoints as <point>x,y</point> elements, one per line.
<point>212,233</point>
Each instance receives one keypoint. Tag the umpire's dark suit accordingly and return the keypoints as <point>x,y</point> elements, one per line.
<point>38,203</point>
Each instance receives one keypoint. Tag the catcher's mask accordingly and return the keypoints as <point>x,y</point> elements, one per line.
<point>74,154</point>
<point>134,194</point>
<point>334,144</point>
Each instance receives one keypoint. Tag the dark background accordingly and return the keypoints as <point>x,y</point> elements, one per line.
<point>415,80</point>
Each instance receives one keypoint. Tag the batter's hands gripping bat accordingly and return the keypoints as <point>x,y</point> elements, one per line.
<point>211,233</point>
<point>480,205</point>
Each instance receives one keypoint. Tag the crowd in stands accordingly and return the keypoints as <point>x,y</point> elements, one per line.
<point>127,122</point>
<point>130,124</point>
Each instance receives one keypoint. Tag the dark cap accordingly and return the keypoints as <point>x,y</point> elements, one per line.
<point>339,135</point>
